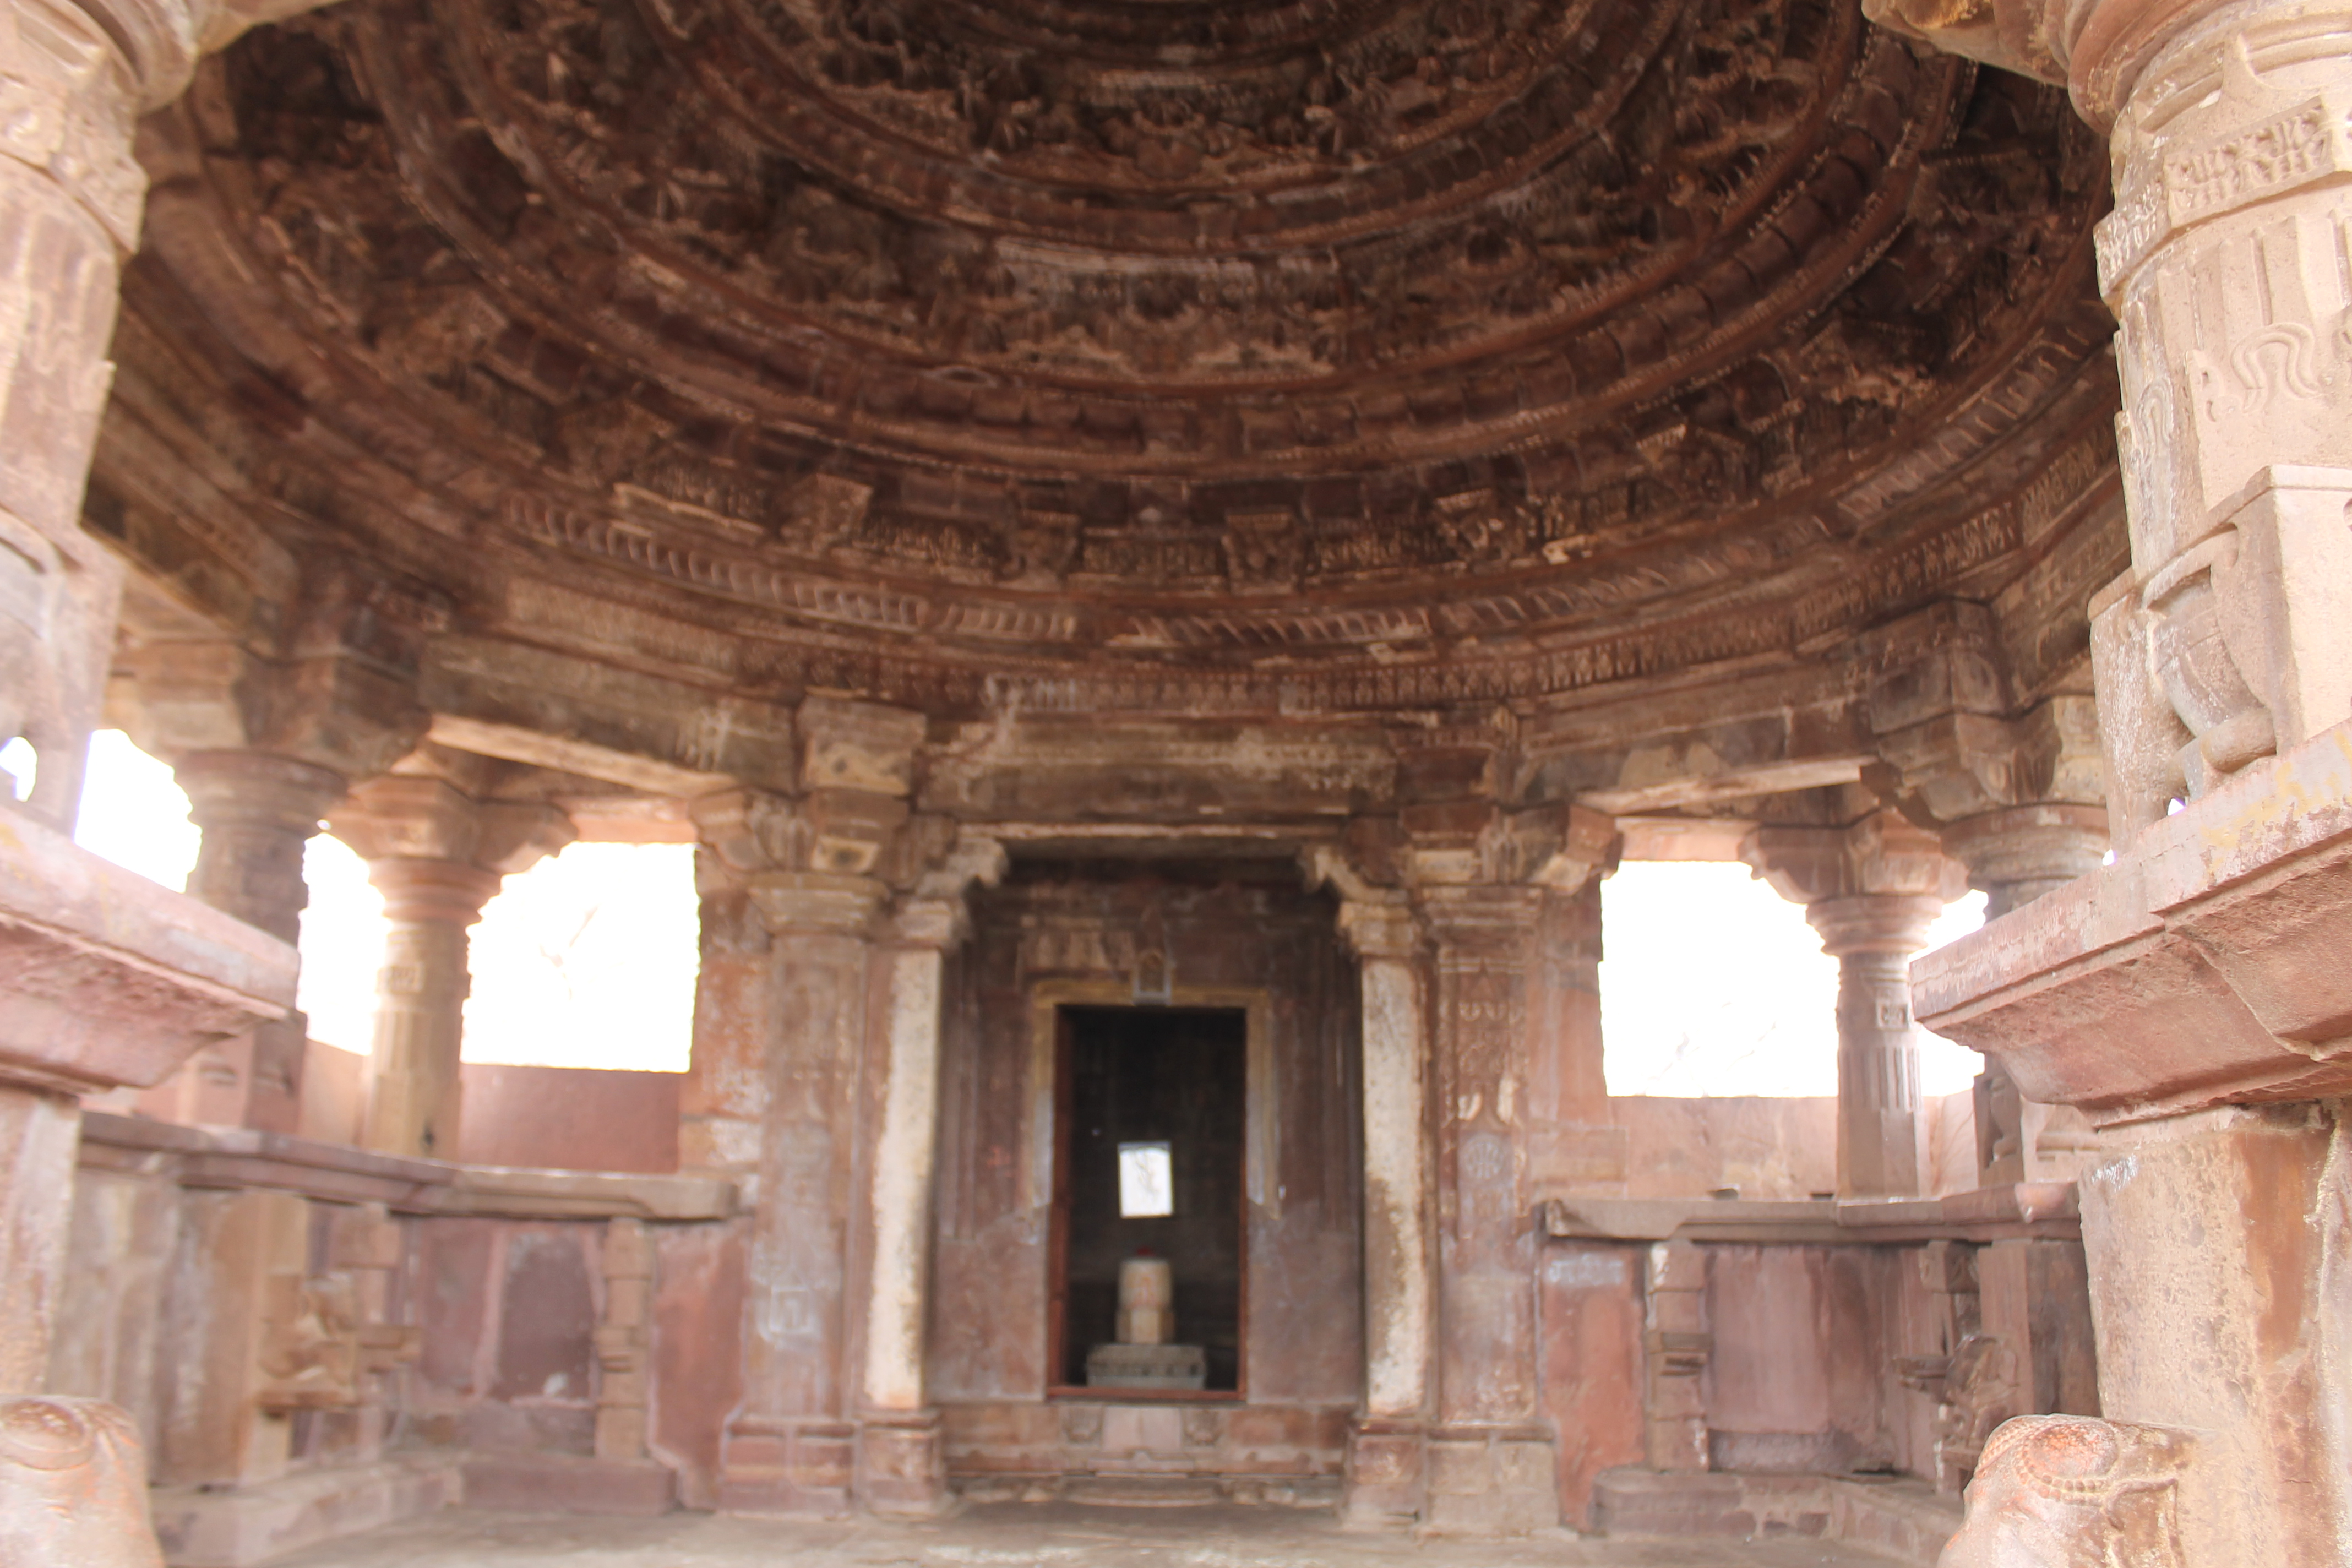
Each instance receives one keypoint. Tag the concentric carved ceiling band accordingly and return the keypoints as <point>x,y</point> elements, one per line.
<point>1361,352</point>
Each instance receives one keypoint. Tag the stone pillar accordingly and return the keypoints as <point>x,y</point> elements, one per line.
<point>1676,1348</point>
<point>814,872</point>
<point>2016,855</point>
<point>126,980</point>
<point>1870,891</point>
<point>105,981</point>
<point>792,1447</point>
<point>437,856</point>
<point>901,1469</point>
<point>2203,967</point>
<point>1452,1414</point>
<point>265,749</point>
<point>1387,1445</point>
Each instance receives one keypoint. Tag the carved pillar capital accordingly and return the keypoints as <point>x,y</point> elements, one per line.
<point>935,913</point>
<point>1882,855</point>
<point>411,817</point>
<point>1874,923</point>
<point>330,709</point>
<point>2019,853</point>
<point>2097,50</point>
<point>1381,929</point>
<point>814,902</point>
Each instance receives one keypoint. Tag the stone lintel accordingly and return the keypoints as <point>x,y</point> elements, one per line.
<point>2206,966</point>
<point>227,1158</point>
<point>816,901</point>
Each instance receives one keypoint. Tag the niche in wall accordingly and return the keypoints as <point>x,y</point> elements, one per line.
<point>1144,1079</point>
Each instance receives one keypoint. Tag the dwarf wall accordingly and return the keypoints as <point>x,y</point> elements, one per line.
<point>1242,935</point>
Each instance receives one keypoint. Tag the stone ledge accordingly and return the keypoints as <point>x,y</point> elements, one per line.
<point>237,1157</point>
<point>2205,966</point>
<point>259,1523</point>
<point>108,979</point>
<point>1900,1518</point>
<point>2036,1210</point>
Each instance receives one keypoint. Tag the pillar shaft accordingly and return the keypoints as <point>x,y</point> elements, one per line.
<point>901,1465</point>
<point>38,1133</point>
<point>1386,1455</point>
<point>905,1151</point>
<point>437,856</point>
<point>414,1093</point>
<point>793,1445</point>
<point>1882,1140</point>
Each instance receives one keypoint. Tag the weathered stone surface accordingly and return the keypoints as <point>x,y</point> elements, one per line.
<point>73,1486</point>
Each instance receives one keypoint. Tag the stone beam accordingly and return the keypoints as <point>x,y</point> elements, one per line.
<point>602,721</point>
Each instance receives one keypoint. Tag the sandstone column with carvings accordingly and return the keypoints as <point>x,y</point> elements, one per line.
<point>437,856</point>
<point>2199,968</point>
<point>125,982</point>
<point>1870,891</point>
<point>1500,894</point>
<point>901,1469</point>
<point>812,868</point>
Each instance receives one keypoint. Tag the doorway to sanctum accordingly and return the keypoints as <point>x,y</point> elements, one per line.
<point>1151,1121</point>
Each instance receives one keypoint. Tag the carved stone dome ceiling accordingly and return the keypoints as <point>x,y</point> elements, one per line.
<point>1320,342</point>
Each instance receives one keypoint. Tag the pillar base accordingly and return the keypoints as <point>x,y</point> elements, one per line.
<point>783,1467</point>
<point>1386,1477</point>
<point>902,1470</point>
<point>1492,1480</point>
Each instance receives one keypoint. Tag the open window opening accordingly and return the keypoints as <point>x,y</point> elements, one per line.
<point>1148,1183</point>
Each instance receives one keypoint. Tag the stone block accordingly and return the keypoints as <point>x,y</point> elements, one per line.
<point>1143,1429</point>
<point>1590,1314</point>
<point>902,1470</point>
<point>564,1483</point>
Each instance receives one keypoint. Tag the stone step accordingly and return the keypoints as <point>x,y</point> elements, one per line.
<point>1896,1517</point>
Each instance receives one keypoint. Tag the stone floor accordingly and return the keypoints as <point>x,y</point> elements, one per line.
<point>1021,1535</point>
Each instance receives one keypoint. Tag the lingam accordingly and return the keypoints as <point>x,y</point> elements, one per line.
<point>1143,1357</point>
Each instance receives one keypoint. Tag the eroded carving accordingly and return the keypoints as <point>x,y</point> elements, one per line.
<point>2064,1491</point>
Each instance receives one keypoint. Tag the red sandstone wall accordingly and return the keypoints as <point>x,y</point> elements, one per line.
<point>1769,1148</point>
<point>570,1119</point>
<point>563,1118</point>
